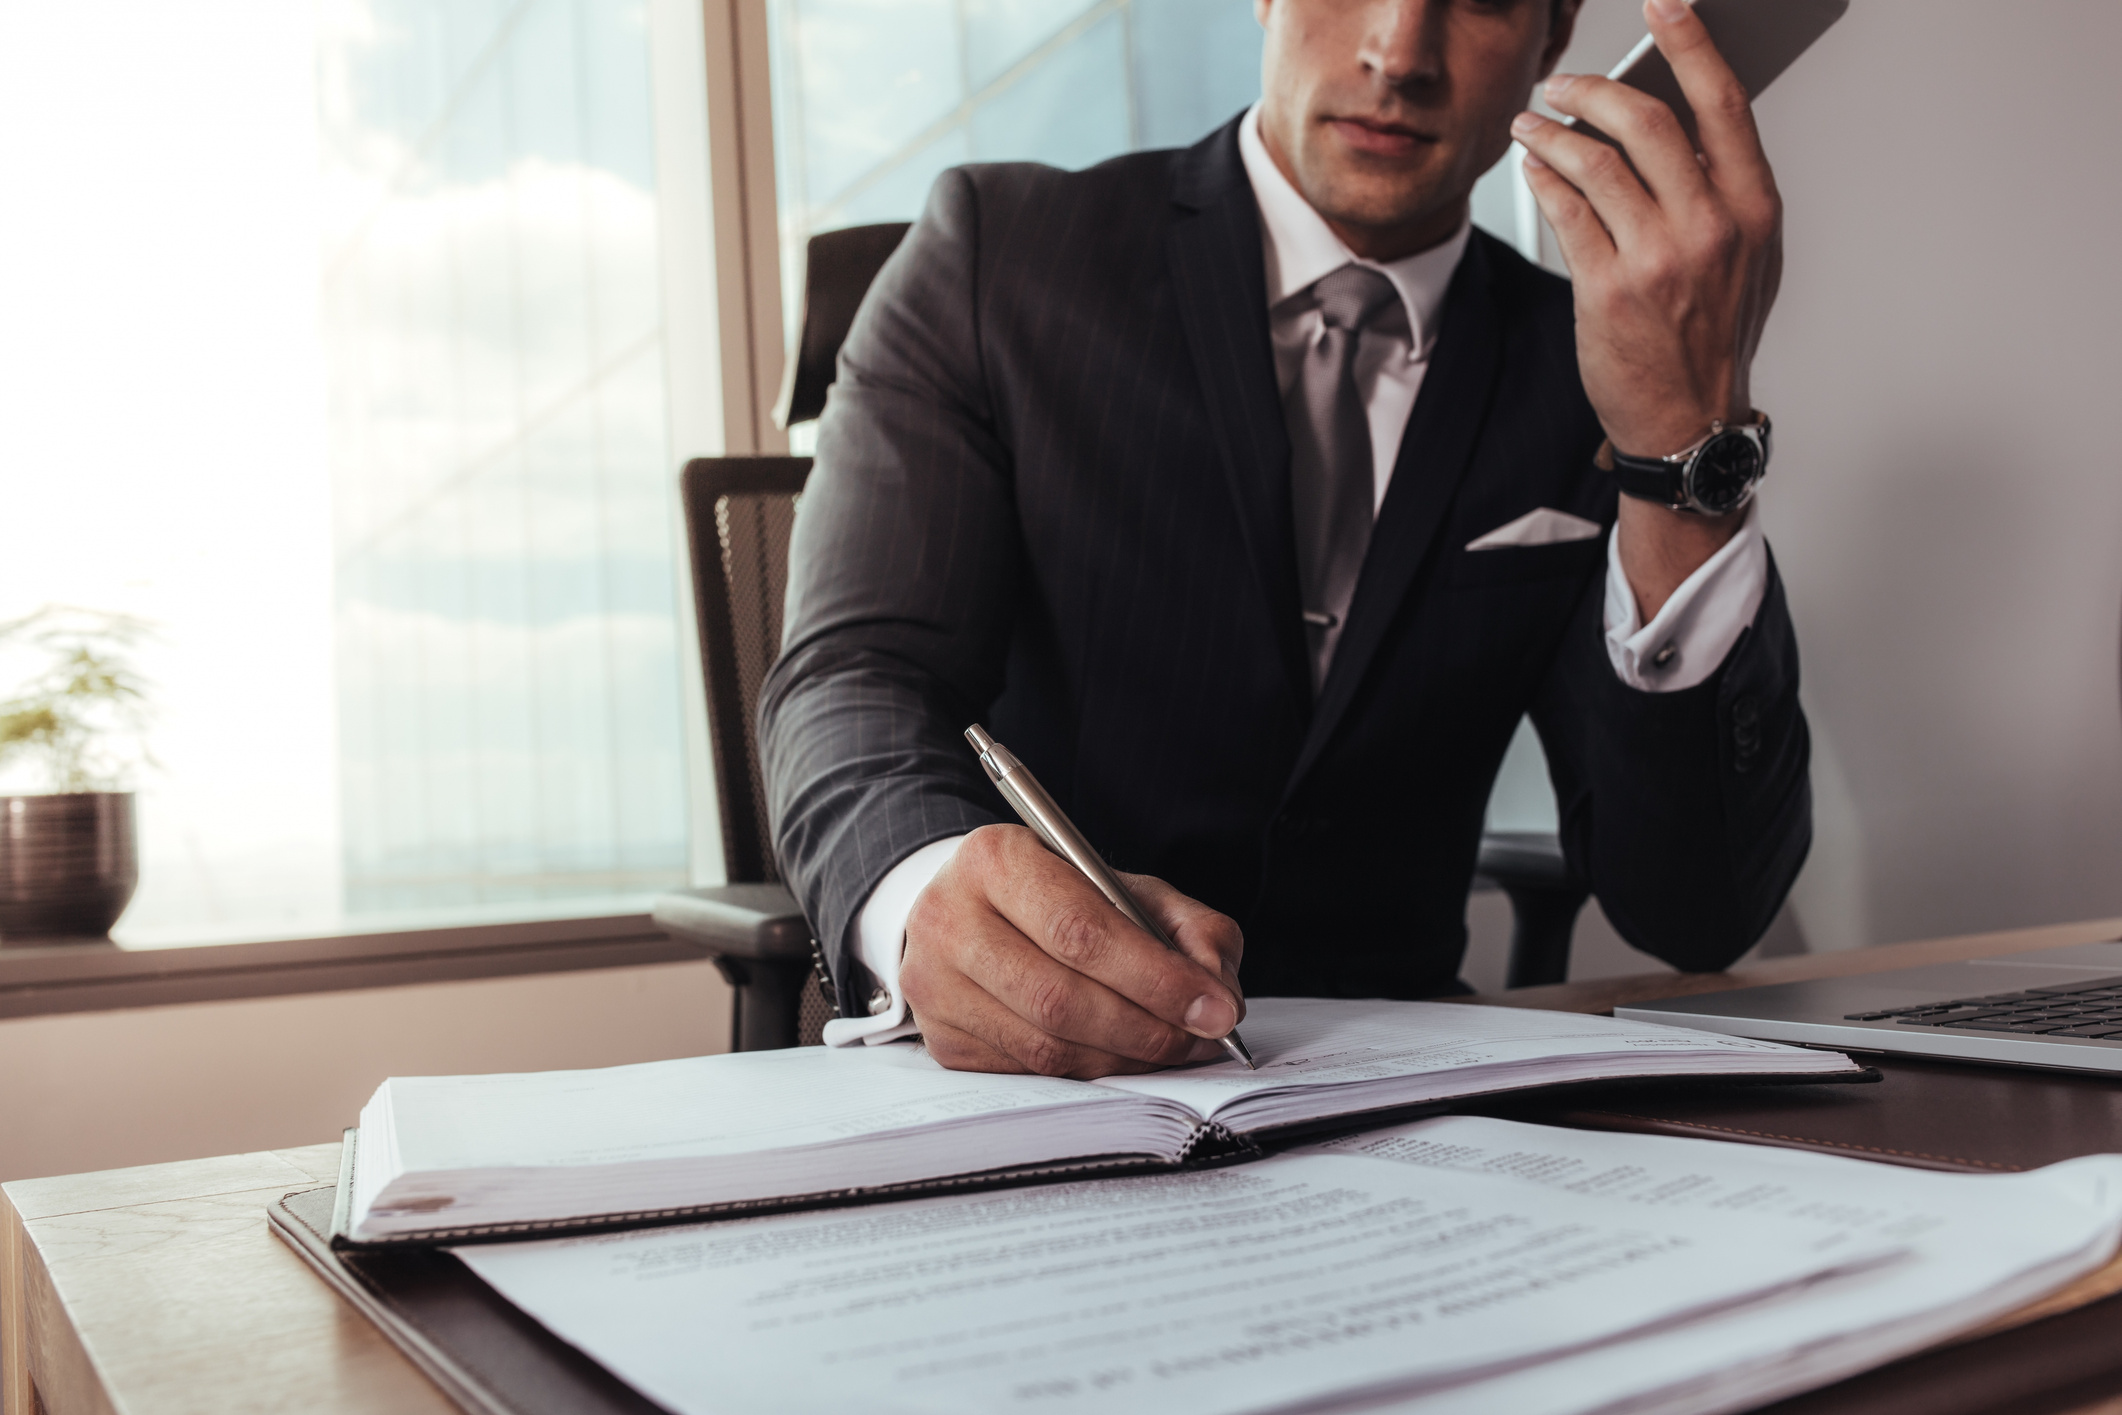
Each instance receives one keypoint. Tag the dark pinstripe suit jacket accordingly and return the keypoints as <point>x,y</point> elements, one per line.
<point>1051,494</point>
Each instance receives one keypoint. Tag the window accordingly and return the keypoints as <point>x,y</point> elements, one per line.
<point>504,601</point>
<point>873,98</point>
<point>334,350</point>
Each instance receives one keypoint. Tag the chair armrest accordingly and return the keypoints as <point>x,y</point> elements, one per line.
<point>1521,859</point>
<point>759,922</point>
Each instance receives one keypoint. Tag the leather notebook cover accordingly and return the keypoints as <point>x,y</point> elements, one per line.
<point>1930,1114</point>
<point>483,1352</point>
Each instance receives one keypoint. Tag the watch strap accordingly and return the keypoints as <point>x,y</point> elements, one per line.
<point>1651,478</point>
<point>1664,479</point>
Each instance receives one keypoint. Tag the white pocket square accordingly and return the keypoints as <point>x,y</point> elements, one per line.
<point>1545,526</point>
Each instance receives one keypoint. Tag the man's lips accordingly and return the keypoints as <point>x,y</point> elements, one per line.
<point>1379,138</point>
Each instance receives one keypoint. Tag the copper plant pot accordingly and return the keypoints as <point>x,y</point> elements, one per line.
<point>68,864</point>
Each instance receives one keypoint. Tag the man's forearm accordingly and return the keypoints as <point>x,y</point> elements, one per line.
<point>862,770</point>
<point>1689,811</point>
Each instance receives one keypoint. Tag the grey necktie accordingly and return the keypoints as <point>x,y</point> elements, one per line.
<point>1332,484</point>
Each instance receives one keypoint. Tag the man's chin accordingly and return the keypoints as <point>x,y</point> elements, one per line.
<point>1365,202</point>
<point>1370,190</point>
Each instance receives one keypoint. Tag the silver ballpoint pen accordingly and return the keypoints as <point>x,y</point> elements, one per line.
<point>1047,821</point>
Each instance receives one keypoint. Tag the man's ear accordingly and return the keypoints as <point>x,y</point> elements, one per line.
<point>1561,29</point>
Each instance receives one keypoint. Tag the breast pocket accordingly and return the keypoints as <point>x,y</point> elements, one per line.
<point>1520,564</point>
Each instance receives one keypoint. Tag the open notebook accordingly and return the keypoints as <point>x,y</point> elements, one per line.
<point>450,1158</point>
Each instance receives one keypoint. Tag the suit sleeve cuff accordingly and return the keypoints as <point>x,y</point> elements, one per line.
<point>880,942</point>
<point>1695,630</point>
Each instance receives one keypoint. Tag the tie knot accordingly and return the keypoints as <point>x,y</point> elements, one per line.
<point>1352,296</point>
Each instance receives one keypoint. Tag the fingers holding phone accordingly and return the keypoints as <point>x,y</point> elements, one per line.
<point>1675,248</point>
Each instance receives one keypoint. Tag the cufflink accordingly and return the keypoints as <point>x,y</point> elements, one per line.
<point>880,1002</point>
<point>1665,655</point>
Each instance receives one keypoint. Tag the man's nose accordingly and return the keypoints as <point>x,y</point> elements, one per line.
<point>1403,43</point>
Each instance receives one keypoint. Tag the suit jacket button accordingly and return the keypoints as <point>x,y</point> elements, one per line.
<point>1745,711</point>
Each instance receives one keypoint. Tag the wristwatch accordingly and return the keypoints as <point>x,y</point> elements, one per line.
<point>1714,477</point>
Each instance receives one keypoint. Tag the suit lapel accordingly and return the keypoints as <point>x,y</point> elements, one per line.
<point>1219,278</point>
<point>1434,452</point>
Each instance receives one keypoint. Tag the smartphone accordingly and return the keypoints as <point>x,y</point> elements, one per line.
<point>1758,38</point>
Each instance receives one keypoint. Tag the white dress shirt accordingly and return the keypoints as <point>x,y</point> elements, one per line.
<point>1679,648</point>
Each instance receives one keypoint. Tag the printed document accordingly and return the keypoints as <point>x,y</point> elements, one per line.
<point>1456,1265</point>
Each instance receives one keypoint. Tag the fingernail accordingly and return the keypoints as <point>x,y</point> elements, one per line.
<point>1532,161</point>
<point>1559,85</point>
<point>1210,1016</point>
<point>1668,10</point>
<point>1525,123</point>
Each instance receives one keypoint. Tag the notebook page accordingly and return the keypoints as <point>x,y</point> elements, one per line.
<point>1301,1043</point>
<point>705,1105</point>
<point>1229,1290</point>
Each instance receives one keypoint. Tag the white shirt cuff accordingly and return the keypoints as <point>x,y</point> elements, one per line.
<point>1697,627</point>
<point>880,942</point>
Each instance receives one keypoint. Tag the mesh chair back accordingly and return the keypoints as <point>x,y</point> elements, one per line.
<point>739,512</point>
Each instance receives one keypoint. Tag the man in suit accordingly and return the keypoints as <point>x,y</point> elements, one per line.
<point>1252,498</point>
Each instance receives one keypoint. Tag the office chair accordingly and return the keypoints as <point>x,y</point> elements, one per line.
<point>739,512</point>
<point>1545,899</point>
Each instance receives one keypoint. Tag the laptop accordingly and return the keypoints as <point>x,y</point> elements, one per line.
<point>2059,1008</point>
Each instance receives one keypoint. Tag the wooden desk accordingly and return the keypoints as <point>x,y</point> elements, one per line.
<point>158,1290</point>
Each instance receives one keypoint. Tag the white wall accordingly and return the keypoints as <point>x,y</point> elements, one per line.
<point>1946,503</point>
<point>99,1090</point>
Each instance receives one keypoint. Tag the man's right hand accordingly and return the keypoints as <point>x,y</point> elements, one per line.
<point>1015,962</point>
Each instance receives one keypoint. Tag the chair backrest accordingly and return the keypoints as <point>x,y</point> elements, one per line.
<point>739,512</point>
<point>838,269</point>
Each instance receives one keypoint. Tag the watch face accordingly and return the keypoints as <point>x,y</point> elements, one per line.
<point>1724,472</point>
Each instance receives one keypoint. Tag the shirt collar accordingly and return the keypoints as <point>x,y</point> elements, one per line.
<point>1301,247</point>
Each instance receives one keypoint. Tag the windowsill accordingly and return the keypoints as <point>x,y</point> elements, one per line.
<point>429,918</point>
<point>90,975</point>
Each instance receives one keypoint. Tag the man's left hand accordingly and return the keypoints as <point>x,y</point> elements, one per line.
<point>1675,251</point>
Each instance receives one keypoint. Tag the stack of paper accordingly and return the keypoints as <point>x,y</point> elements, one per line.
<point>1454,1265</point>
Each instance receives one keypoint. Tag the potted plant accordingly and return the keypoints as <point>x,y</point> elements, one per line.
<point>69,858</point>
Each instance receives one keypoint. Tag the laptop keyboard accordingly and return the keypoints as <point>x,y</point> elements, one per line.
<point>2077,1010</point>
